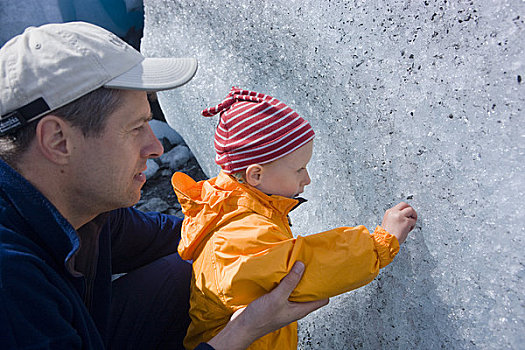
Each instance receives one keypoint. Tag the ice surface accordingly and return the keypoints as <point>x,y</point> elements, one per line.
<point>417,101</point>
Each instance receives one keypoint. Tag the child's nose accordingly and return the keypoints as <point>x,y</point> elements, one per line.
<point>307,179</point>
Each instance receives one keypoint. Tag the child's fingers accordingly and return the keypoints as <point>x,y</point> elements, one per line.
<point>409,212</point>
<point>412,222</point>
<point>400,206</point>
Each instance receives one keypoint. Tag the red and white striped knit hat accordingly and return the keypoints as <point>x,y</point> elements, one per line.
<point>255,129</point>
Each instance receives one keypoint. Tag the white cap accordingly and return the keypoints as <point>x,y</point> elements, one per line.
<point>49,66</point>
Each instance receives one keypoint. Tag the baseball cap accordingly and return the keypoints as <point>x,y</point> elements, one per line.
<point>255,128</point>
<point>47,67</point>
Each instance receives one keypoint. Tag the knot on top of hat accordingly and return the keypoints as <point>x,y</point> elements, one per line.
<point>236,95</point>
<point>255,128</point>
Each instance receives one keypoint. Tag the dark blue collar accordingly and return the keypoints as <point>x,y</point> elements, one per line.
<point>49,228</point>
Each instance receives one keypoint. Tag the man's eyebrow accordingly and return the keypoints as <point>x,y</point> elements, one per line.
<point>145,119</point>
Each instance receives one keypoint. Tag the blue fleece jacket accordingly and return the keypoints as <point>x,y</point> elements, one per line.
<point>44,304</point>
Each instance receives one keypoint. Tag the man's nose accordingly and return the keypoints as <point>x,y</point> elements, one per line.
<point>153,147</point>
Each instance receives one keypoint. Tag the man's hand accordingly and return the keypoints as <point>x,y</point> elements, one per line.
<point>400,220</point>
<point>266,314</point>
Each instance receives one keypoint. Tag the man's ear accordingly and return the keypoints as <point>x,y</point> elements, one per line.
<point>254,174</point>
<point>53,139</point>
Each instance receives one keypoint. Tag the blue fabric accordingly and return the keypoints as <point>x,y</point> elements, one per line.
<point>42,305</point>
<point>109,14</point>
<point>162,317</point>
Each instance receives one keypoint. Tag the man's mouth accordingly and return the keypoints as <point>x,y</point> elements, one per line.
<point>141,176</point>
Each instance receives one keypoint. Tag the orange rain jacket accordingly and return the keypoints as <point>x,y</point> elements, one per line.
<point>241,245</point>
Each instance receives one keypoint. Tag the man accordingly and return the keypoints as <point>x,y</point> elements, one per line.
<point>74,140</point>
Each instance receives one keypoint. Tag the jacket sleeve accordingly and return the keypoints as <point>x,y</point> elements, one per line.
<point>34,313</point>
<point>252,263</point>
<point>139,238</point>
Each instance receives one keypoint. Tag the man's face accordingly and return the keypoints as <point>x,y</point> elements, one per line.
<point>110,168</point>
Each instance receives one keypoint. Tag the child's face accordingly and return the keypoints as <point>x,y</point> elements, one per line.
<point>287,176</point>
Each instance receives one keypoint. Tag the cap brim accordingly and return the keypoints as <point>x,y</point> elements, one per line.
<point>154,74</point>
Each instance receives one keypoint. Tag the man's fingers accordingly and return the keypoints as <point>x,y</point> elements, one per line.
<point>291,280</point>
<point>306,307</point>
<point>237,313</point>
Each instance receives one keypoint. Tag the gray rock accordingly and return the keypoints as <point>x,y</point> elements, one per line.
<point>176,157</point>
<point>166,173</point>
<point>175,212</point>
<point>154,204</point>
<point>163,131</point>
<point>153,167</point>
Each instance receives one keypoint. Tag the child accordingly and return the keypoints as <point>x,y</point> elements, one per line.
<point>236,227</point>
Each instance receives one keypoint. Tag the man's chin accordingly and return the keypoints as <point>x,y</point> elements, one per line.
<point>133,199</point>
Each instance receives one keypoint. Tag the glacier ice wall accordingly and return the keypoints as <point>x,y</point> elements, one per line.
<point>421,101</point>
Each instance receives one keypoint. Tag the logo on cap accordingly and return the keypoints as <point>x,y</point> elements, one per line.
<point>10,122</point>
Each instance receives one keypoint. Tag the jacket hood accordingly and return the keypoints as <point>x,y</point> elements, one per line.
<point>208,204</point>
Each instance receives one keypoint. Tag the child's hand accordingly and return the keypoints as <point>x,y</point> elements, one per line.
<point>400,220</point>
